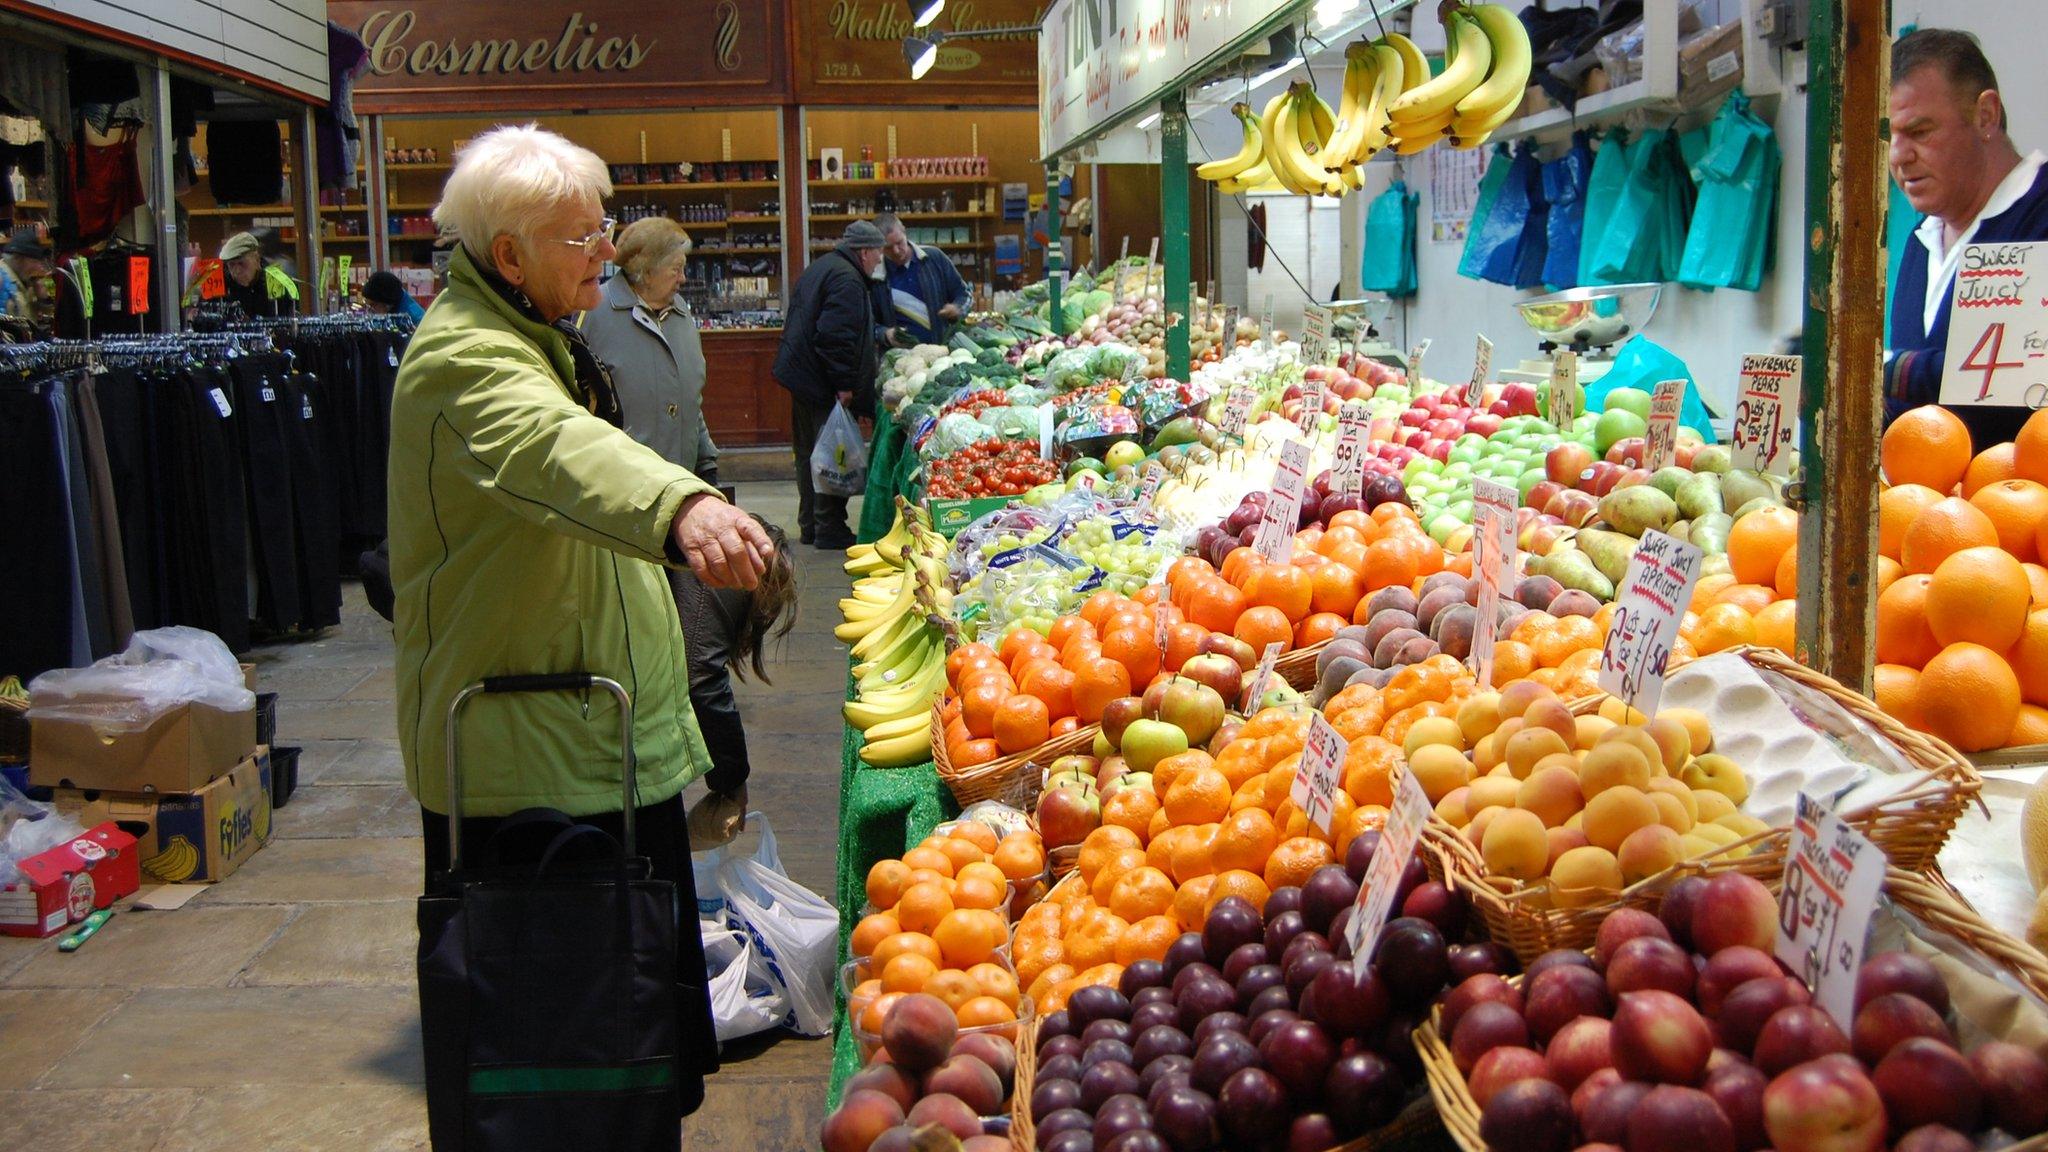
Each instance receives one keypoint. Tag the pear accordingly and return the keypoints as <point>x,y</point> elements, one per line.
<point>1740,486</point>
<point>1637,509</point>
<point>1609,552</point>
<point>1699,495</point>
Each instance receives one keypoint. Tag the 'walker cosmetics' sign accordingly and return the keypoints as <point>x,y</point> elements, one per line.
<point>845,44</point>
<point>483,54</point>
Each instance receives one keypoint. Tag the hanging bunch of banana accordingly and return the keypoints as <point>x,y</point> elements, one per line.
<point>892,622</point>
<point>1486,69</point>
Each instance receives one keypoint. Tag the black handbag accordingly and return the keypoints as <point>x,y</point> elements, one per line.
<point>548,990</point>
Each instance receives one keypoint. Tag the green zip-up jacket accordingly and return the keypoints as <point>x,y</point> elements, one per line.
<point>528,535</point>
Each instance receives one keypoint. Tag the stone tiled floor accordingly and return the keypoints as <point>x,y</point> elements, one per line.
<point>276,1011</point>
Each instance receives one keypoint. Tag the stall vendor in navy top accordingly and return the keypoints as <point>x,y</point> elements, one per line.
<point>1957,166</point>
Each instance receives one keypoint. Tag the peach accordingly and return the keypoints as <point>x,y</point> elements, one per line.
<point>1589,730</point>
<point>1612,815</point>
<point>1585,876</point>
<point>1515,845</point>
<point>1648,851</point>
<point>1638,738</point>
<point>1552,793</point>
<point>1611,765</point>
<point>1529,745</point>
<point>1671,811</point>
<point>1478,716</point>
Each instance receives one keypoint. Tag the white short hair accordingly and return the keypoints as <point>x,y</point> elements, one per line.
<point>511,180</point>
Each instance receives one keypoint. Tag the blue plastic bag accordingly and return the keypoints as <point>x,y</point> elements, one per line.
<point>1388,264</point>
<point>1508,226</point>
<point>1479,243</point>
<point>1640,363</point>
<point>1564,190</point>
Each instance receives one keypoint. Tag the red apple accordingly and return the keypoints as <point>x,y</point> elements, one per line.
<point>1734,909</point>
<point>1484,423</point>
<point>1580,1049</point>
<point>1629,452</point>
<point>1217,671</point>
<point>1632,477</point>
<point>1825,1105</point>
<point>1067,814</point>
<point>1795,1035</point>
<point>1193,706</point>
<point>1565,462</point>
<point>1580,509</point>
<point>1671,1117</point>
<point>1599,477</point>
<point>1659,1037</point>
<point>1520,398</point>
<point>1217,643</point>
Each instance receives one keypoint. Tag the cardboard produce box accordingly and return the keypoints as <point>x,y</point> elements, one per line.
<point>69,882</point>
<point>198,837</point>
<point>183,750</point>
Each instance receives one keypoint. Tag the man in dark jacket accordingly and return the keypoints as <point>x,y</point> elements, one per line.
<point>920,295</point>
<point>828,357</point>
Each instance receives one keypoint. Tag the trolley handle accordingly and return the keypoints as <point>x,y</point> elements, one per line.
<point>544,682</point>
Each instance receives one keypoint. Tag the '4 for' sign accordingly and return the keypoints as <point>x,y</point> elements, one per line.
<point>1998,327</point>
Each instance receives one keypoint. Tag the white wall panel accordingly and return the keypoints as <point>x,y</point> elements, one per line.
<point>282,41</point>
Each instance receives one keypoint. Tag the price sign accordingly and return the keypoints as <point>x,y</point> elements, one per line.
<point>1415,356</point>
<point>1353,424</point>
<point>1154,473</point>
<point>1282,516</point>
<point>1236,406</point>
<point>1660,441</point>
<point>1654,594</point>
<point>1311,412</point>
<point>1045,418</point>
<point>1766,413</point>
<point>1482,371</point>
<point>1261,676</point>
<point>1832,877</point>
<point>1315,332</point>
<point>1162,623</point>
<point>1998,327</point>
<point>1564,388</point>
<point>1318,773</point>
<point>1383,873</point>
<point>1266,322</point>
<point>1493,547</point>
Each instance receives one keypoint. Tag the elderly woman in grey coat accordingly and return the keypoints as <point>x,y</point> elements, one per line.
<point>644,333</point>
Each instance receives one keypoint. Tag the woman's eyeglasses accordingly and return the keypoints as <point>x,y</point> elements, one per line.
<point>603,235</point>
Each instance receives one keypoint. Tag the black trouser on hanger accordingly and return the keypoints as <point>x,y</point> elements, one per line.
<point>37,632</point>
<point>261,403</point>
<point>209,531</point>
<point>126,406</point>
<point>312,502</point>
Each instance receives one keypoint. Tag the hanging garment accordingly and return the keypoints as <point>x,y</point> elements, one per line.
<point>261,404</point>
<point>247,161</point>
<point>1564,189</point>
<point>106,516</point>
<point>105,184</point>
<point>43,625</point>
<point>337,138</point>
<point>32,79</point>
<point>317,545</point>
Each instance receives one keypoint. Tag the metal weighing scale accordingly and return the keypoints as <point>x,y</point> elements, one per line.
<point>1589,321</point>
<point>1359,321</point>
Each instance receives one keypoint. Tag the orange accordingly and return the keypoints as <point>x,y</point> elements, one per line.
<point>1126,861</point>
<point>1198,796</point>
<point>985,1011</point>
<point>1903,636</point>
<point>1022,722</point>
<point>2029,658</point>
<point>2030,450</point>
<point>1758,541</point>
<point>873,928</point>
<point>2030,728</point>
<point>976,833</point>
<point>959,658</point>
<point>1513,659</point>
<point>1237,882</point>
<point>1191,902</point>
<point>1093,941</point>
<point>1724,626</point>
<point>1889,570</point>
<point>1244,841</point>
<point>1096,684</point>
<point>894,946</point>
<point>1134,649</point>
<point>961,852</point>
<point>1099,605</point>
<point>1896,508</point>
<point>1142,892</point>
<point>1989,467</point>
<point>1942,529</point>
<point>1020,856</point>
<point>1193,854</point>
<point>1786,585</point>
<point>979,892</point>
<point>1281,586</point>
<point>1183,641</point>
<point>907,973</point>
<point>926,856</point>
<point>1336,588</point>
<point>1317,627</point>
<point>978,707</point>
<point>996,980</point>
<point>2016,509</point>
<point>1169,769</point>
<point>1052,684</point>
<point>1034,955</point>
<point>886,881</point>
<point>1040,989</point>
<point>1969,696</point>
<point>871,1019</point>
<point>969,936</point>
<point>1979,595</point>
<point>1706,591</point>
<point>1131,808</point>
<point>1216,604</point>
<point>953,986</point>
<point>1392,561</point>
<point>1896,689</point>
<point>1100,847</point>
<point>922,907</point>
<point>1751,598</point>
<point>1774,625</point>
<point>1928,445</point>
<point>975,752</point>
<point>2037,581</point>
<point>1263,625</point>
<point>1147,939</point>
<point>1067,627</point>
<point>1295,860</point>
<point>1370,765</point>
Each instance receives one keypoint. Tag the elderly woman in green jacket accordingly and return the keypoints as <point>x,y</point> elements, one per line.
<point>529,532</point>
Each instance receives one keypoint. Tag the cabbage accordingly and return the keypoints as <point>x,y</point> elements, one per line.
<point>955,431</point>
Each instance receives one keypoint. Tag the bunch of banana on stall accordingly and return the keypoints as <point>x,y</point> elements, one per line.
<point>1493,103</point>
<point>1486,67</point>
<point>1374,76</point>
<point>1297,126</point>
<point>893,622</point>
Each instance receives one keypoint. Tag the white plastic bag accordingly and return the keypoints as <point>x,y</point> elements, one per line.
<point>162,670</point>
<point>795,933</point>
<point>839,463</point>
<point>743,1000</point>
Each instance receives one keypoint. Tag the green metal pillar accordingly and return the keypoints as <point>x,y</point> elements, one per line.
<point>1841,403</point>
<point>1055,259</point>
<point>1173,220</point>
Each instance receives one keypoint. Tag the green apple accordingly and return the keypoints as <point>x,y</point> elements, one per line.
<point>1628,400</point>
<point>1147,742</point>
<point>1615,425</point>
<point>1123,453</point>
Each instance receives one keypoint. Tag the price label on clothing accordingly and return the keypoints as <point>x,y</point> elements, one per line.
<point>1655,592</point>
<point>1415,355</point>
<point>1564,388</point>
<point>1403,830</point>
<point>1482,371</point>
<point>1277,524</point>
<point>1255,690</point>
<point>1660,440</point>
<point>1493,513</point>
<point>268,393</point>
<point>1832,877</point>
<point>1998,327</point>
<point>1310,416</point>
<point>305,408</point>
<point>1353,423</point>
<point>220,401</point>
<point>1315,332</point>
<point>1236,407</point>
<point>1767,413</point>
<point>391,356</point>
<point>1318,773</point>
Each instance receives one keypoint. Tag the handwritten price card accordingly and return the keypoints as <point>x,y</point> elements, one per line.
<point>1315,333</point>
<point>1564,388</point>
<point>1660,441</point>
<point>1282,516</point>
<point>1832,877</point>
<point>1493,544</point>
<point>1266,322</point>
<point>1654,594</point>
<point>1383,873</point>
<point>1349,465</point>
<point>1311,412</point>
<point>1236,406</point>
<point>1998,327</point>
<point>1482,371</point>
<point>1766,414</point>
<point>1318,773</point>
<point>1415,356</point>
<point>1261,676</point>
<point>1154,473</point>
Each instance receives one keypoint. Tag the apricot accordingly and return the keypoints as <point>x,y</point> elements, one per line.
<point>1613,814</point>
<point>1584,876</point>
<point>1589,729</point>
<point>1563,840</point>
<point>1478,716</point>
<point>1552,793</point>
<point>1492,792</point>
<point>1613,765</point>
<point>1434,730</point>
<point>1672,812</point>
<point>1528,746</point>
<point>1515,845</point>
<point>1638,738</point>
<point>1648,851</point>
<point>1440,769</point>
<point>1673,739</point>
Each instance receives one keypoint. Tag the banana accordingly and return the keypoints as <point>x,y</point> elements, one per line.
<point>909,725</point>
<point>177,862</point>
<point>1275,145</point>
<point>886,633</point>
<point>898,751</point>
<point>1414,65</point>
<point>902,662</point>
<point>1430,129</point>
<point>1470,57</point>
<point>1406,147</point>
<point>1467,133</point>
<point>1392,73</point>
<point>855,610</point>
<point>1258,177</point>
<point>1508,41</point>
<point>1247,157</point>
<point>870,565</point>
<point>915,700</point>
<point>1292,164</point>
<point>917,684</point>
<point>1361,80</point>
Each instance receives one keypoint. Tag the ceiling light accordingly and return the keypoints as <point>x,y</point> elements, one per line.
<point>920,54</point>
<point>1148,121</point>
<point>928,11</point>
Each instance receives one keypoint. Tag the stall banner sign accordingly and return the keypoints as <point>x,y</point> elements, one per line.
<point>1415,355</point>
<point>1310,416</point>
<point>1998,327</point>
<point>1654,595</point>
<point>1831,881</point>
<point>1383,873</point>
<point>1255,690</point>
<point>1236,406</point>
<point>1482,371</point>
<point>1315,333</point>
<point>1277,524</point>
<point>1660,440</point>
<point>1318,772</point>
<point>1353,423</point>
<point>1564,389</point>
<point>1767,413</point>
<point>1493,544</point>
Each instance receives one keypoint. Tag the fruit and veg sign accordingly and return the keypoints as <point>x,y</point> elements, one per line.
<point>1318,772</point>
<point>1660,439</point>
<point>1766,413</point>
<point>1832,877</point>
<point>1383,873</point>
<point>1654,594</point>
<point>1277,524</point>
<point>1494,558</point>
<point>1998,327</point>
<point>1349,463</point>
<point>1482,371</point>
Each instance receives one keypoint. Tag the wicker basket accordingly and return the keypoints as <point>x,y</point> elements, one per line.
<point>1910,826</point>
<point>1298,667</point>
<point>996,779</point>
<point>1023,1135</point>
<point>1925,898</point>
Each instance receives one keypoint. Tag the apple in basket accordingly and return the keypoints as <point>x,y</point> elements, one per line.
<point>1068,813</point>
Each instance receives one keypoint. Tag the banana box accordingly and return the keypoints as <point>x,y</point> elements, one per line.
<point>67,883</point>
<point>187,837</point>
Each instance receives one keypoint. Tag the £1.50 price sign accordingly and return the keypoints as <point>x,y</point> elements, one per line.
<point>1998,327</point>
<point>1318,772</point>
<point>1654,594</point>
<point>1832,877</point>
<point>1766,414</point>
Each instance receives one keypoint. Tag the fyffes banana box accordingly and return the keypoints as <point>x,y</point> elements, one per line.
<point>188,837</point>
<point>67,883</point>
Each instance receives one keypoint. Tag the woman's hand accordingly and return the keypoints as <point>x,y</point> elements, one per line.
<point>723,545</point>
